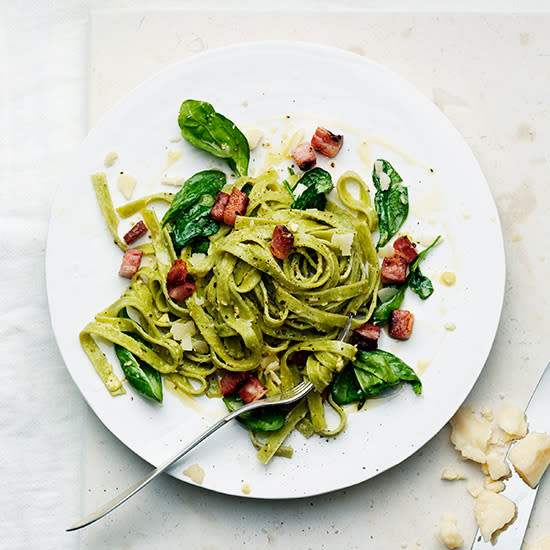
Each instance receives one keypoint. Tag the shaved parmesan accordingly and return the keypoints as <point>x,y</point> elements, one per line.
<point>530,457</point>
<point>512,420</point>
<point>343,241</point>
<point>254,137</point>
<point>182,329</point>
<point>110,159</point>
<point>448,532</point>
<point>126,185</point>
<point>493,512</point>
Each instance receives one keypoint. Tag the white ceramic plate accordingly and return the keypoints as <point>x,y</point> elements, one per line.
<point>257,85</point>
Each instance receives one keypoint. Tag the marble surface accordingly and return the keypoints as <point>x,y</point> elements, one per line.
<point>488,73</point>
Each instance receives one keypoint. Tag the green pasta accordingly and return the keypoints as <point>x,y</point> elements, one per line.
<point>250,311</point>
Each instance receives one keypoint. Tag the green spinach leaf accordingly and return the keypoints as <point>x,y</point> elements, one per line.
<point>144,378</point>
<point>189,213</point>
<point>377,370</point>
<point>206,129</point>
<point>391,202</point>
<point>318,183</point>
<point>383,309</point>
<point>200,244</point>
<point>417,281</point>
<point>345,387</point>
<point>202,183</point>
<point>260,420</point>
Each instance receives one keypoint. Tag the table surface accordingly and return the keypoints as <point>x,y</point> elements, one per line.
<point>64,67</point>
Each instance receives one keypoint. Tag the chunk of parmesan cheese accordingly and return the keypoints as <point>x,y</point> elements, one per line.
<point>110,159</point>
<point>530,457</point>
<point>195,473</point>
<point>126,185</point>
<point>495,486</point>
<point>299,189</point>
<point>176,181</point>
<point>181,329</point>
<point>512,420</point>
<point>254,137</point>
<point>497,467</point>
<point>343,241</point>
<point>493,512</point>
<point>448,532</point>
<point>471,434</point>
<point>451,474</point>
<point>385,181</point>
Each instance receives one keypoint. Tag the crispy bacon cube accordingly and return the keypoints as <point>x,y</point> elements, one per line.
<point>182,292</point>
<point>179,283</point>
<point>401,324</point>
<point>365,337</point>
<point>282,242</point>
<point>137,231</point>
<point>236,206</point>
<point>219,206</point>
<point>394,270</point>
<point>304,156</point>
<point>326,142</point>
<point>231,381</point>
<point>251,390</point>
<point>130,263</point>
<point>406,249</point>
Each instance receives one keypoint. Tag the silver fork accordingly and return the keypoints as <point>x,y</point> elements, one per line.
<point>285,398</point>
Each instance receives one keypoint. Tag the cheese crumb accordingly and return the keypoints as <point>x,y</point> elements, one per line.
<point>181,329</point>
<point>448,532</point>
<point>176,181</point>
<point>493,512</point>
<point>449,278</point>
<point>450,474</point>
<point>245,489</point>
<point>530,457</point>
<point>512,421</point>
<point>343,241</point>
<point>254,137</point>
<point>126,184</point>
<point>195,472</point>
<point>497,467</point>
<point>495,486</point>
<point>110,159</point>
<point>450,326</point>
<point>473,489</point>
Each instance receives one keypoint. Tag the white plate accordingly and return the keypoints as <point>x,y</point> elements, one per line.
<point>257,85</point>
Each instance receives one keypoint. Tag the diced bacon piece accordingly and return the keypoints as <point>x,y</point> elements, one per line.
<point>219,206</point>
<point>177,274</point>
<point>137,231</point>
<point>231,381</point>
<point>179,283</point>
<point>326,142</point>
<point>401,324</point>
<point>183,291</point>
<point>365,337</point>
<point>304,156</point>
<point>406,249</point>
<point>130,263</point>
<point>394,270</point>
<point>251,390</point>
<point>236,206</point>
<point>282,242</point>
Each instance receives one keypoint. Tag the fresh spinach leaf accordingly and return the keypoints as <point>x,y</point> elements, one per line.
<point>318,183</point>
<point>260,420</point>
<point>417,281</point>
<point>391,202</point>
<point>189,213</point>
<point>206,129</point>
<point>345,387</point>
<point>383,309</point>
<point>377,370</point>
<point>144,378</point>
<point>200,245</point>
<point>194,189</point>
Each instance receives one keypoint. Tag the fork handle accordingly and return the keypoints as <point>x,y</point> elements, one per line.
<point>117,501</point>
